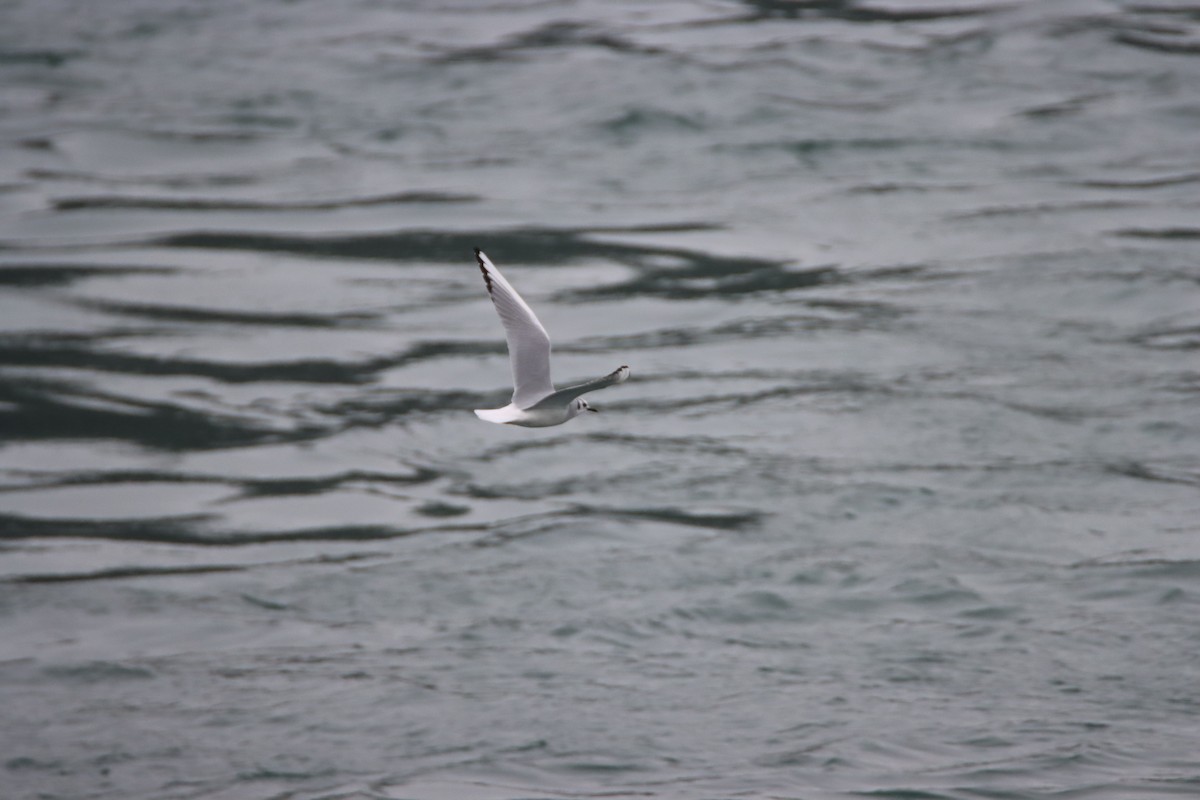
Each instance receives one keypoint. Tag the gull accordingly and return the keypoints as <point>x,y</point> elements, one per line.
<point>535,403</point>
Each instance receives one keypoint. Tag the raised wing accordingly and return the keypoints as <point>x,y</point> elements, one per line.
<point>528,344</point>
<point>564,396</point>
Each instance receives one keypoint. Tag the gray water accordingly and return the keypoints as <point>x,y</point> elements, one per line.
<point>902,500</point>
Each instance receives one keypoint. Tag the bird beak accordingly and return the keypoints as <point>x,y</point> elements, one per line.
<point>594,410</point>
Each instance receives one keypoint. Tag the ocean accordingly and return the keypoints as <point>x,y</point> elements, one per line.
<point>902,499</point>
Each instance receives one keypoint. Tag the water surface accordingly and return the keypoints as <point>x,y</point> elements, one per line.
<point>901,500</point>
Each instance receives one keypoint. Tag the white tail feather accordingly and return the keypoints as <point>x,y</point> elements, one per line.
<point>498,415</point>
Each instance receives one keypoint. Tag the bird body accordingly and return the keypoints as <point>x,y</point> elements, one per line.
<point>535,402</point>
<point>529,418</point>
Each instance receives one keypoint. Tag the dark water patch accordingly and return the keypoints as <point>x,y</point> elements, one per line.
<point>810,152</point>
<point>200,530</point>
<point>1064,108</point>
<point>135,572</point>
<point>602,767</point>
<point>714,519</point>
<point>274,774</point>
<point>672,444</point>
<point>206,204</point>
<point>804,757</point>
<point>857,316</point>
<point>893,272</point>
<point>443,510</point>
<point>514,448</point>
<point>992,613</point>
<point>1142,183</point>
<point>207,180</point>
<point>175,530</point>
<point>530,490</point>
<point>96,672</point>
<point>21,763</point>
<point>39,410</point>
<point>1055,413</point>
<point>1174,596</point>
<point>659,227</point>
<point>225,317</point>
<point>250,487</point>
<point>866,12</point>
<point>1138,565</point>
<point>527,246</point>
<point>432,350</point>
<point>551,35</point>
<point>567,33</point>
<point>1182,383</point>
<point>122,573</point>
<point>650,340</point>
<point>699,278</point>
<point>38,143</point>
<point>38,58</point>
<point>633,122</point>
<point>386,406</point>
<point>284,487</point>
<point>745,373</point>
<point>723,402</point>
<point>263,120</point>
<point>835,104</point>
<point>1183,337</point>
<point>895,187</point>
<point>744,399</point>
<point>28,276</point>
<point>1161,473</point>
<point>1042,209</point>
<point>921,794</point>
<point>82,352</point>
<point>1178,42</point>
<point>862,314</point>
<point>1176,233</point>
<point>85,352</point>
<point>333,533</point>
<point>208,136</point>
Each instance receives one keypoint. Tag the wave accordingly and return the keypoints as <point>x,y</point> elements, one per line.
<point>70,351</point>
<point>867,12</point>
<point>200,530</point>
<point>218,204</point>
<point>557,34</point>
<point>1177,233</point>
<point>33,410</point>
<point>29,276</point>
<point>139,571</point>
<point>527,245</point>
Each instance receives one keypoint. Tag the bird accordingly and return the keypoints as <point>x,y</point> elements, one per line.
<point>535,402</point>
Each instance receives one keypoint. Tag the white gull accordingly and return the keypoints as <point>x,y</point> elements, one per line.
<point>535,403</point>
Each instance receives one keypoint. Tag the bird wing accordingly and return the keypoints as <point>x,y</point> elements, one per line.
<point>528,343</point>
<point>564,396</point>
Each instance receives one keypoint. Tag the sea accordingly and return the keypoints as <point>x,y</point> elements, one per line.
<point>901,500</point>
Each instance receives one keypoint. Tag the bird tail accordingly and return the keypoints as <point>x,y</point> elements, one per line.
<point>498,415</point>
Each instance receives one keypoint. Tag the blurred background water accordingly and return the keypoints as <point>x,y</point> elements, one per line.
<point>901,501</point>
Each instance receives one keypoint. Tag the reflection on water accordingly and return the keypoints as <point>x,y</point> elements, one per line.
<point>901,499</point>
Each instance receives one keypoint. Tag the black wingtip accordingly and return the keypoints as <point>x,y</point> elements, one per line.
<point>487,279</point>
